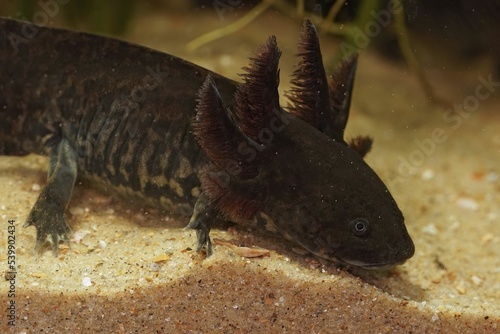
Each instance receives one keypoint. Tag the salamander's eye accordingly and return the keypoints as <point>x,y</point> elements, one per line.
<point>359,227</point>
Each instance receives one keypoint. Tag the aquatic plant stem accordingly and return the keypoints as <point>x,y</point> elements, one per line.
<point>406,49</point>
<point>231,28</point>
<point>300,8</point>
<point>332,14</point>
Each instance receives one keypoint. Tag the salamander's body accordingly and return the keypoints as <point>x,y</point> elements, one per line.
<point>136,121</point>
<point>126,115</point>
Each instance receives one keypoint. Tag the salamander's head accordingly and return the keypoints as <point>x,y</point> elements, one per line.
<point>293,171</point>
<point>323,196</point>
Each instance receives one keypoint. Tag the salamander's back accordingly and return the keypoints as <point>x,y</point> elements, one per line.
<point>54,76</point>
<point>120,106</point>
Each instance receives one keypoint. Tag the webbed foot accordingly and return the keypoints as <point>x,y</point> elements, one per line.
<point>50,224</point>
<point>203,215</point>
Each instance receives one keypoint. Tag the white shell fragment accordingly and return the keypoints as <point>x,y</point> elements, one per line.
<point>242,251</point>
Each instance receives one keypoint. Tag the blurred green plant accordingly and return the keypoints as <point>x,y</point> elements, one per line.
<point>368,21</point>
<point>113,17</point>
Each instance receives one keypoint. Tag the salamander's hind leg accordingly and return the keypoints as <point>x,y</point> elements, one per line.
<point>203,214</point>
<point>47,215</point>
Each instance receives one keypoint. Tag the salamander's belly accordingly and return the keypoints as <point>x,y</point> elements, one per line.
<point>175,196</point>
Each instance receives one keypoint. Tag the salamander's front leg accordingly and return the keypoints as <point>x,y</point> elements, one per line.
<point>203,214</point>
<point>47,215</point>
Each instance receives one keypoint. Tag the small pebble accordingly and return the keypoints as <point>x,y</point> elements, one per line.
<point>79,235</point>
<point>454,225</point>
<point>460,287</point>
<point>491,177</point>
<point>430,229</point>
<point>101,244</point>
<point>476,280</point>
<point>38,275</point>
<point>161,258</point>
<point>76,211</point>
<point>492,216</point>
<point>437,278</point>
<point>467,203</point>
<point>36,187</point>
<point>487,238</point>
<point>427,174</point>
<point>86,282</point>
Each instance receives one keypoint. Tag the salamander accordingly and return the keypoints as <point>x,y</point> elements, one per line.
<point>158,129</point>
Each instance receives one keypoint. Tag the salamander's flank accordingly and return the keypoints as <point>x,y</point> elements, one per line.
<point>153,127</point>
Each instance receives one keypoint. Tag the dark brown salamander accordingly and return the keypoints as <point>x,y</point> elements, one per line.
<point>182,138</point>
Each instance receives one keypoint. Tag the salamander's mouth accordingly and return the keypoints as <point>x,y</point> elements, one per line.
<point>369,261</point>
<point>364,260</point>
<point>378,266</point>
<point>398,258</point>
<point>361,264</point>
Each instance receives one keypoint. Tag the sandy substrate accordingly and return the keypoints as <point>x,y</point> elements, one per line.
<point>133,271</point>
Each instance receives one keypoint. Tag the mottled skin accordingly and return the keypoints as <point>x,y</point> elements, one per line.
<point>116,110</point>
<point>135,121</point>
